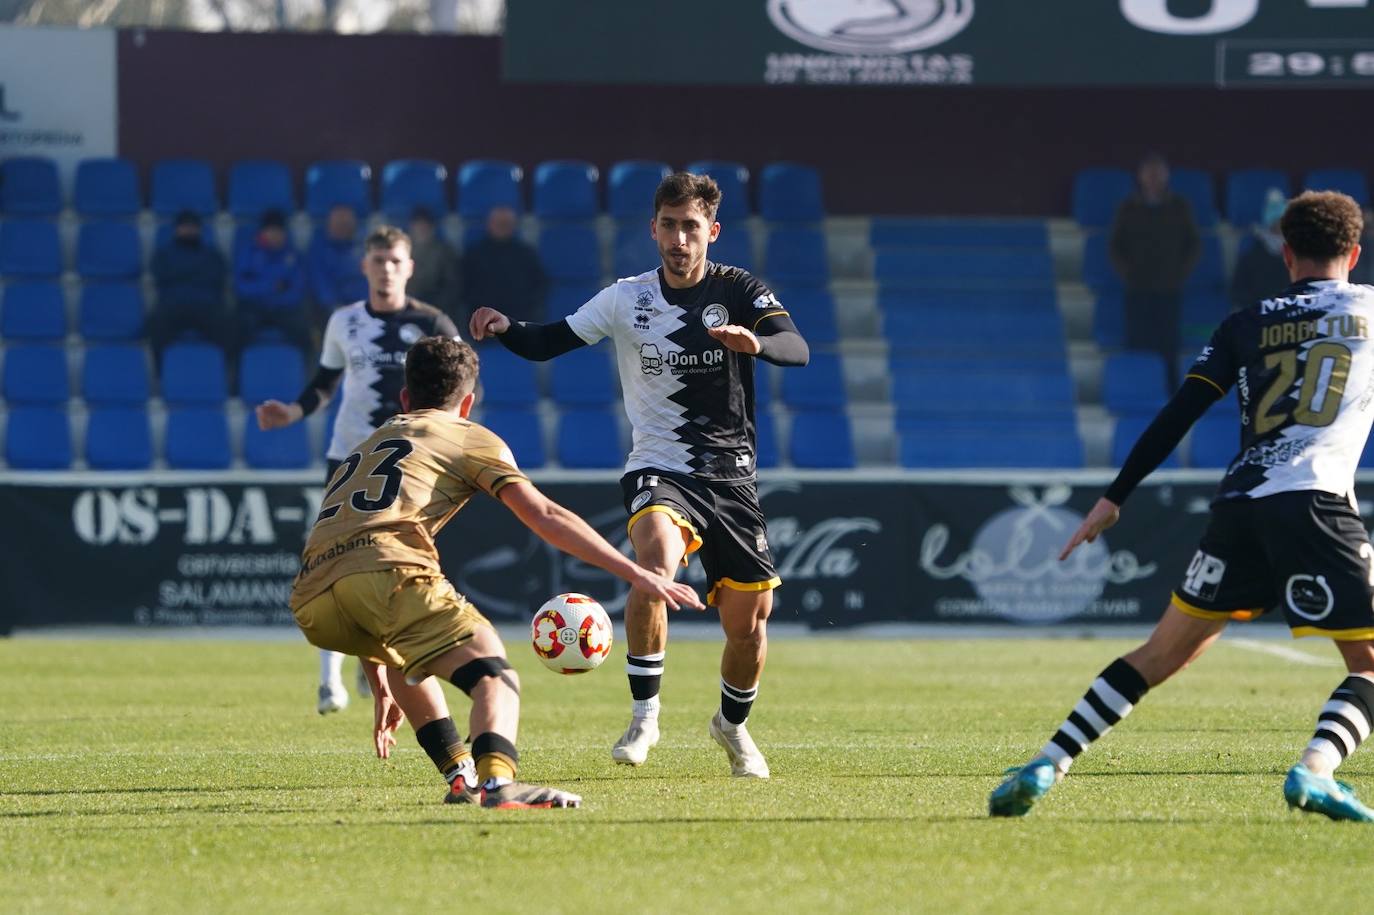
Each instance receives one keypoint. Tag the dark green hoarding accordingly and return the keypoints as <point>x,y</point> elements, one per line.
<point>1230,43</point>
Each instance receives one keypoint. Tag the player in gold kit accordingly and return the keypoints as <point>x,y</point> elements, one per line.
<point>370,584</point>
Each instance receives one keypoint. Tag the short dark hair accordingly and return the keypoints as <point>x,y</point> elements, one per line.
<point>440,371</point>
<point>385,237</point>
<point>1322,225</point>
<point>684,187</point>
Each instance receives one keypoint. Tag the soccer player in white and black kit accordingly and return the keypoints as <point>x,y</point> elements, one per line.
<point>365,345</point>
<point>1284,531</point>
<point>686,336</point>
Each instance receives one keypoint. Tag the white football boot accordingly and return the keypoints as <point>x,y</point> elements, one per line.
<point>333,698</point>
<point>745,759</point>
<point>633,746</point>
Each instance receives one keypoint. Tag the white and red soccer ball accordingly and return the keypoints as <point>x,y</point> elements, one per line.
<point>571,634</point>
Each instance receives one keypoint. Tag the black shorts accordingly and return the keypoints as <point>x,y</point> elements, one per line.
<point>723,520</point>
<point>1306,552</point>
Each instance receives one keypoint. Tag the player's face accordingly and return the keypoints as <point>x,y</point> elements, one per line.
<point>682,233</point>
<point>387,270</point>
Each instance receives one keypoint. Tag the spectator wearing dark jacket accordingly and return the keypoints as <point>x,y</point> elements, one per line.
<point>270,284</point>
<point>502,271</point>
<point>436,279</point>
<point>1154,246</point>
<point>335,261</point>
<point>190,277</point>
<point>1364,269</point>
<point>1260,272</point>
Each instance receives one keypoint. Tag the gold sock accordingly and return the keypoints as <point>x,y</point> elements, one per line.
<point>495,765</point>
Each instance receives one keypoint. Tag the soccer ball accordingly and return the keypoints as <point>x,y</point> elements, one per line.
<point>571,634</point>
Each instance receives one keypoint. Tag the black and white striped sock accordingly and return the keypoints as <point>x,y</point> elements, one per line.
<point>1345,720</point>
<point>735,702</point>
<point>1111,697</point>
<point>646,676</point>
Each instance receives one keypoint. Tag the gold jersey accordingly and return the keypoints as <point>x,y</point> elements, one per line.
<point>393,494</point>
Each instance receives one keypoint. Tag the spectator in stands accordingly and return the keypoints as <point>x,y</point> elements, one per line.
<point>190,277</point>
<point>1154,246</point>
<point>1364,270</point>
<point>334,261</point>
<point>436,280</point>
<point>502,271</point>
<point>270,283</point>
<point>1260,272</point>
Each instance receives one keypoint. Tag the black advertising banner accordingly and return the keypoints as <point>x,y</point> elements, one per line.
<point>850,550</point>
<point>944,42</point>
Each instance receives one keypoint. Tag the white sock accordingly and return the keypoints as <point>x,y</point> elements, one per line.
<point>331,668</point>
<point>646,709</point>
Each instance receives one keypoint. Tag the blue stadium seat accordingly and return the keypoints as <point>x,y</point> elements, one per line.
<point>1109,319</point>
<point>411,183</point>
<point>570,252</point>
<point>34,312</point>
<point>1215,441</point>
<point>193,374</point>
<point>821,438</point>
<point>796,256</point>
<point>631,186</point>
<point>1346,180</point>
<point>1210,273</point>
<point>1246,189</point>
<point>1098,273</point>
<point>565,298</point>
<point>29,187</point>
<point>888,232</point>
<point>733,179</point>
<point>1134,383</point>
<point>507,380</point>
<point>982,392</point>
<point>115,374</point>
<point>589,439</point>
<point>184,184</point>
<point>259,185</point>
<point>38,438</point>
<point>584,377</point>
<point>1196,186</point>
<point>522,433</point>
<point>989,448</point>
<point>111,311</point>
<point>813,311</point>
<point>964,268</point>
<point>333,182</point>
<point>635,251</point>
<point>1035,336</point>
<point>197,439</point>
<point>789,192</point>
<point>1202,312</point>
<point>565,189</point>
<point>765,383</point>
<point>29,249</point>
<point>36,373</point>
<point>119,438</point>
<point>108,250</point>
<point>766,436</point>
<point>331,415</point>
<point>818,386</point>
<point>1035,300</point>
<point>287,448</point>
<point>270,371</point>
<point>734,247</point>
<point>1124,436</point>
<point>1097,192</point>
<point>107,187</point>
<point>484,184</point>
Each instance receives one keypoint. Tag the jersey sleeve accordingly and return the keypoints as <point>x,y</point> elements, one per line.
<point>1217,364</point>
<point>751,301</point>
<point>595,320</point>
<point>332,355</point>
<point>444,327</point>
<point>486,461</point>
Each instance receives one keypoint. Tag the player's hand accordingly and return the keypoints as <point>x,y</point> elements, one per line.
<point>738,338</point>
<point>1103,516</point>
<point>487,322</point>
<point>273,414</point>
<point>386,718</point>
<point>675,594</point>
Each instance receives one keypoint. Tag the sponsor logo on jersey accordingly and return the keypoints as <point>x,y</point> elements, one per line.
<point>641,321</point>
<point>864,27</point>
<point>761,543</point>
<point>1205,354</point>
<point>1309,596</point>
<point>1204,576</point>
<point>767,302</point>
<point>650,360</point>
<point>641,500</point>
<point>715,315</point>
<point>409,333</point>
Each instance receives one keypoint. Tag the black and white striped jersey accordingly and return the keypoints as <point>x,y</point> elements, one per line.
<point>1303,366</point>
<point>689,399</point>
<point>370,347</point>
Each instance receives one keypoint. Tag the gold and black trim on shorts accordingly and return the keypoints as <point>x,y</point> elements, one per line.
<point>677,517</point>
<point>1340,635</point>
<point>1243,615</point>
<point>746,586</point>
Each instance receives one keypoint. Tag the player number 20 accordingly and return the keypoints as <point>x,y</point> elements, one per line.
<point>1319,357</point>
<point>386,470</point>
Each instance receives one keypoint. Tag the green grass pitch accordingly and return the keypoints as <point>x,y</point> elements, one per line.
<point>179,776</point>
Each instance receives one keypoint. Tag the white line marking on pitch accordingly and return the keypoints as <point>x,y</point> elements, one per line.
<point>1283,651</point>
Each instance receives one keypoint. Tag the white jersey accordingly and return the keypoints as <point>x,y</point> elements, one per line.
<point>1303,366</point>
<point>689,399</point>
<point>370,349</point>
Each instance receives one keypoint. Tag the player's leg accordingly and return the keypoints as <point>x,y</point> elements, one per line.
<point>744,618</point>
<point>427,711</point>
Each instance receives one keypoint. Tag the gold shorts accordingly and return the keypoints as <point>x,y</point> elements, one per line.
<point>397,617</point>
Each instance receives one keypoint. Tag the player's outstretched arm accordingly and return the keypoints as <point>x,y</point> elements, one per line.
<point>1103,515</point>
<point>487,322</point>
<point>569,533</point>
<point>273,414</point>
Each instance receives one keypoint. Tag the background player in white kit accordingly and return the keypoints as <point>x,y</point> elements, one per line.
<point>685,337</point>
<point>1284,531</point>
<point>365,345</point>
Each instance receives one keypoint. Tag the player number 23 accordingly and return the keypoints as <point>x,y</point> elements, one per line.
<point>386,470</point>
<point>1318,358</point>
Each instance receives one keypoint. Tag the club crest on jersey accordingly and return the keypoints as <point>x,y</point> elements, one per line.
<point>409,333</point>
<point>644,301</point>
<point>650,359</point>
<point>715,315</point>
